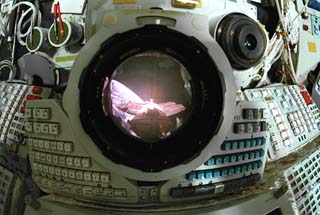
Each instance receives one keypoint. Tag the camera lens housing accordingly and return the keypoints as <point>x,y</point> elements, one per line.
<point>242,39</point>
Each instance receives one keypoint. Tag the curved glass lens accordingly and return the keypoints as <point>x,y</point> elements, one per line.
<point>251,42</point>
<point>148,96</point>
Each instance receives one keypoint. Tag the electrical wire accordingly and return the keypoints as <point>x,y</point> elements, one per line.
<point>287,56</point>
<point>5,21</point>
<point>35,19</point>
<point>6,64</point>
<point>300,12</point>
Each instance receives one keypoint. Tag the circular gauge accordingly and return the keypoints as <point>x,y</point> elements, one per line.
<point>151,98</point>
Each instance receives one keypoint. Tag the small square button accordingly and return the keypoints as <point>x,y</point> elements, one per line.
<point>96,176</point>
<point>41,144</point>
<point>72,173</point>
<point>77,162</point>
<point>62,160</point>
<point>49,158</point>
<point>68,147</point>
<point>44,128</point>
<point>37,155</point>
<point>55,159</point>
<point>53,145</point>
<point>47,144</point>
<point>46,168</point>
<point>54,129</point>
<point>57,171</point>
<point>69,161</point>
<point>87,176</point>
<point>37,128</point>
<point>60,146</point>
<point>79,175</point>
<point>105,177</point>
<point>86,162</point>
<point>64,173</point>
<point>36,143</point>
<point>51,170</point>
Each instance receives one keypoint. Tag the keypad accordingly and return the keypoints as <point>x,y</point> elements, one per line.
<point>68,172</point>
<point>43,128</point>
<point>50,145</point>
<point>245,143</point>
<point>13,98</point>
<point>295,117</point>
<point>223,172</point>
<point>215,189</point>
<point>232,158</point>
<point>83,191</point>
<point>71,161</point>
<point>303,183</point>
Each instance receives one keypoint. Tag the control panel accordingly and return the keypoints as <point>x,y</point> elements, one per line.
<point>238,162</point>
<point>294,117</point>
<point>315,25</point>
<point>13,99</point>
<point>304,184</point>
<point>60,164</point>
<point>7,180</point>
<point>316,91</point>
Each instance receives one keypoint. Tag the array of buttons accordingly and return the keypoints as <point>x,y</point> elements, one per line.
<point>295,117</point>
<point>100,193</point>
<point>43,128</point>
<point>232,158</point>
<point>307,98</point>
<point>250,114</point>
<point>226,187</point>
<point>250,127</point>
<point>223,172</point>
<point>50,145</point>
<point>240,144</point>
<point>38,113</point>
<point>12,108</point>
<point>301,121</point>
<point>303,183</point>
<point>80,175</point>
<point>7,182</point>
<point>72,161</point>
<point>254,114</point>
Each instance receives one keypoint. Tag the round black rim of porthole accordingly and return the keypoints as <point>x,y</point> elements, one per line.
<point>207,100</point>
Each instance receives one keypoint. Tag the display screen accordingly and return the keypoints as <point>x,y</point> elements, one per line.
<point>148,96</point>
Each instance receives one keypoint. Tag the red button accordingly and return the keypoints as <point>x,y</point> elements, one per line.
<point>22,109</point>
<point>37,90</point>
<point>32,97</point>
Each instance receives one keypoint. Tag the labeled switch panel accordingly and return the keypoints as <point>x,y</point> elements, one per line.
<point>13,99</point>
<point>316,91</point>
<point>315,25</point>
<point>236,163</point>
<point>7,180</point>
<point>294,118</point>
<point>303,181</point>
<point>59,163</point>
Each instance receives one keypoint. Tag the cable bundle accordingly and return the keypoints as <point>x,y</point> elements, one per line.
<point>6,64</point>
<point>35,19</point>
